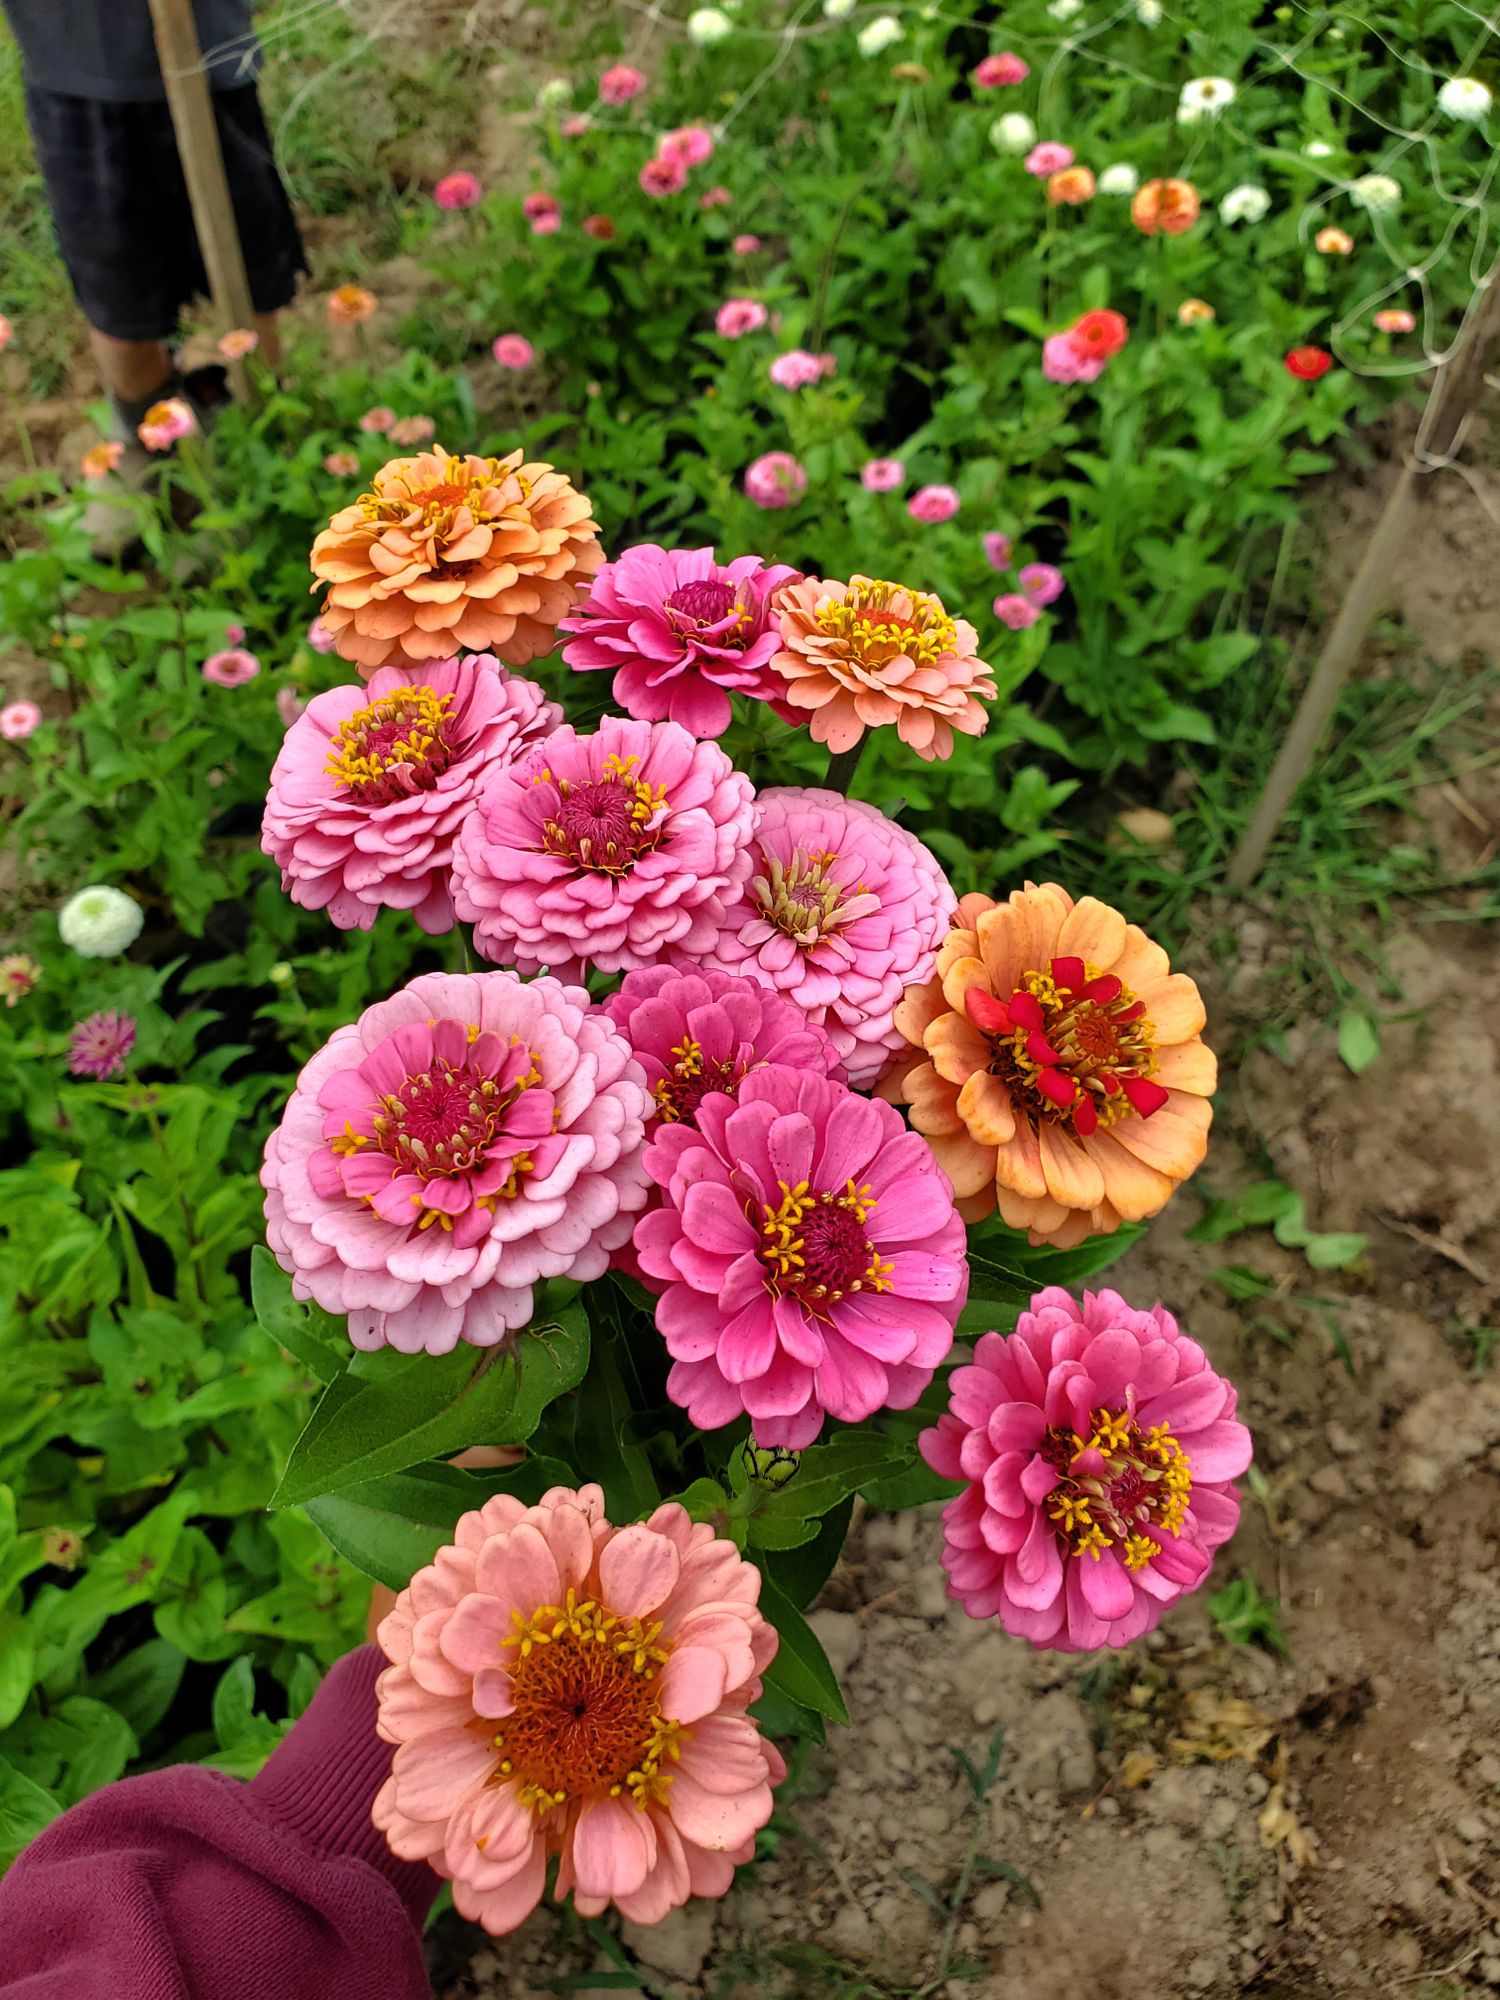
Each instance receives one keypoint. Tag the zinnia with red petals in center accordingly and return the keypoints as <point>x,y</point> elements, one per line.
<point>611,851</point>
<point>1097,1445</point>
<point>562,1687</point>
<point>812,1260</point>
<point>682,632</point>
<point>452,1147</point>
<point>373,782</point>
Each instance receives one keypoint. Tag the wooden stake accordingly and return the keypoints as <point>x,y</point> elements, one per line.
<point>1453,395</point>
<point>190,101</point>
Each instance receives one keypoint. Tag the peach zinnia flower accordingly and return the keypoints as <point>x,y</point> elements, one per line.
<point>1192,312</point>
<point>563,1687</point>
<point>101,459</point>
<point>1063,1079</point>
<point>238,342</point>
<point>1072,186</point>
<point>350,305</point>
<point>865,653</point>
<point>1168,207</point>
<point>449,554</point>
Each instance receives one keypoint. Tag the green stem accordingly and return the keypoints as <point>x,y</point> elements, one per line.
<point>842,765</point>
<point>186,1270</point>
<point>19,422</point>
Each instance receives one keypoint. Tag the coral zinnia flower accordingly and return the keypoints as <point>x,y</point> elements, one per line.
<point>1166,206</point>
<point>1070,187</point>
<point>165,422</point>
<point>681,632</point>
<point>373,782</point>
<point>100,1046</point>
<point>842,911</point>
<point>1308,363</point>
<point>562,1687</point>
<point>812,1260</point>
<point>101,459</point>
<point>1098,1446</point>
<point>238,342</point>
<point>866,653</point>
<point>448,553</point>
<point>1064,1079</point>
<point>456,1144</point>
<point>350,305</point>
<point>608,851</point>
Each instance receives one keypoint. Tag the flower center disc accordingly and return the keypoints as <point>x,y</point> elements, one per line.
<point>1116,1486</point>
<point>1073,1045</point>
<point>698,608</point>
<point>396,746</point>
<point>798,897</point>
<point>879,622</point>
<point>604,823</point>
<point>815,1246</point>
<point>689,1080</point>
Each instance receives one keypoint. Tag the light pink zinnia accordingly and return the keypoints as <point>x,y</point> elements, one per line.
<point>374,780</point>
<point>797,369</point>
<point>1064,361</point>
<point>843,910</point>
<point>996,71</point>
<point>562,1687</point>
<point>662,174</point>
<point>681,631</point>
<point>997,549</point>
<point>1042,582</point>
<point>513,350</point>
<point>934,503</point>
<point>19,718</point>
<point>1016,611</point>
<point>775,480</point>
<point>1396,319</point>
<point>1048,158</point>
<point>881,475</point>
<point>100,1046</point>
<point>165,422</point>
<point>289,705</point>
<point>342,464</point>
<point>692,144</point>
<point>458,1143</point>
<point>605,852</point>
<point>411,430</point>
<point>620,84</point>
<point>319,637</point>
<point>575,125</point>
<point>746,245</point>
<point>460,190</point>
<point>1098,1446</point>
<point>737,317</point>
<point>379,419</point>
<point>812,1259</point>
<point>715,197</point>
<point>231,668</point>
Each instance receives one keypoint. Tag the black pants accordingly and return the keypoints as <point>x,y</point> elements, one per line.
<point>124,224</point>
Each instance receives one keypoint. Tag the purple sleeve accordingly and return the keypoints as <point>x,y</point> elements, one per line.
<point>188,1885</point>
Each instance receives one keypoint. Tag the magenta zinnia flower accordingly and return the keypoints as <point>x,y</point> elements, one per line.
<point>812,1259</point>
<point>562,1687</point>
<point>681,631</point>
<point>457,190</point>
<point>452,1147</point>
<point>100,1046</point>
<point>609,851</point>
<point>1098,1446</point>
<point>842,911</point>
<point>374,780</point>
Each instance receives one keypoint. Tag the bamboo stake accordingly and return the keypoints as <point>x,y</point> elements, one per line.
<point>1453,395</point>
<point>190,102</point>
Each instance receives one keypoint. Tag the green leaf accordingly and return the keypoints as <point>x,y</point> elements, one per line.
<point>1336,1250</point>
<point>914,1486</point>
<point>779,1715</point>
<point>802,1572</point>
<point>787,1516</point>
<point>1041,1266</point>
<point>1359,1040</point>
<point>17,1664</point>
<point>393,1526</point>
<point>143,1685</point>
<point>25,1811</point>
<point>415,1407</point>
<point>301,1330</point>
<point>800,1669</point>
<point>706,1500</point>
<point>234,1703</point>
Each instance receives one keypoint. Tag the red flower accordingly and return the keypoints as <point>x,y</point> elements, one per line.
<point>1099,334</point>
<point>1308,363</point>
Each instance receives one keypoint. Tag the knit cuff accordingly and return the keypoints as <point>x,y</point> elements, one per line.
<point>321,1780</point>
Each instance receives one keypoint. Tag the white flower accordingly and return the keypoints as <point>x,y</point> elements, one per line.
<point>100,922</point>
<point>1245,203</point>
<point>838,10</point>
<point>1465,97</point>
<point>1148,13</point>
<point>1064,10</point>
<point>1319,149</point>
<point>1204,97</point>
<point>555,93</point>
<point>1378,194</point>
<point>1014,133</point>
<point>1119,179</point>
<point>879,34</point>
<point>707,25</point>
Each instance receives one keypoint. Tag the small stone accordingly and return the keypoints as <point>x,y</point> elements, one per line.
<point>1471,1827</point>
<point>1148,826</point>
<point>1341,1442</point>
<point>987,1710</point>
<point>1220,1819</point>
<point>1201,1972</point>
<point>840,1636</point>
<point>1330,1481</point>
<point>679,1944</point>
<point>852,1932</point>
<point>990,1902</point>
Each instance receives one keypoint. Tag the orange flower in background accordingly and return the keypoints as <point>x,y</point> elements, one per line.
<point>1071,186</point>
<point>101,459</point>
<point>1192,312</point>
<point>455,553</point>
<point>350,305</point>
<point>1165,207</point>
<point>1333,242</point>
<point>866,653</point>
<point>1062,1077</point>
<point>238,342</point>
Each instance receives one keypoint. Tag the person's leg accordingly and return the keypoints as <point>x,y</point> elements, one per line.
<point>268,326</point>
<point>134,371</point>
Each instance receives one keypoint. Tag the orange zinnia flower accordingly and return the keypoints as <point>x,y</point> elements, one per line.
<point>350,304</point>
<point>1070,185</point>
<point>1168,206</point>
<point>1062,1077</point>
<point>449,554</point>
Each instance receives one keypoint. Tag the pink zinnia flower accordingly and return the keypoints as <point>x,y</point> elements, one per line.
<point>662,174</point>
<point>692,144</point>
<point>1042,582</point>
<point>715,197</point>
<point>319,637</point>
<point>289,705</point>
<point>238,342</point>
<point>775,480</point>
<point>842,911</point>
<point>379,419</point>
<point>575,125</point>
<point>681,632</point>
<point>737,317</point>
<point>19,718</point>
<point>1097,1445</point>
<point>812,1259</point>
<point>934,503</point>
<point>231,668</point>
<point>460,190</point>
<point>881,475</point>
<point>563,1687</point>
<point>996,71</point>
<point>100,1046</point>
<point>342,464</point>
<point>607,851</point>
<point>374,780</point>
<point>1062,361</point>
<point>798,369</point>
<point>620,84</point>
<point>411,430</point>
<point>7,333</point>
<point>19,975</point>
<point>513,350</point>
<point>600,227</point>
<point>997,549</point>
<point>1396,319</point>
<point>745,246</point>
<point>233,634</point>
<point>1048,158</point>
<point>1016,611</point>
<point>540,206</point>
<point>458,1143</point>
<point>164,423</point>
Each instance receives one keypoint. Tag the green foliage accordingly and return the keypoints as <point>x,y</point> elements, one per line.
<point>1274,1206</point>
<point>1245,1618</point>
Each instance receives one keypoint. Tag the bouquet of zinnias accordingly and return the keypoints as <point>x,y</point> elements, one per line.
<point>732,1189</point>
